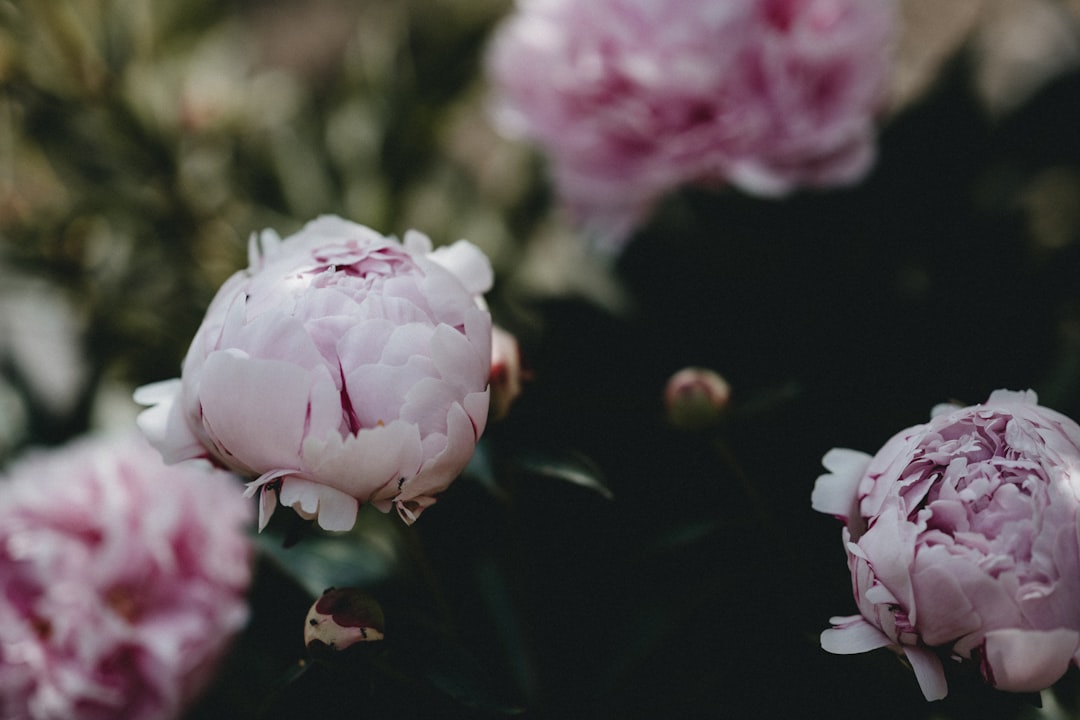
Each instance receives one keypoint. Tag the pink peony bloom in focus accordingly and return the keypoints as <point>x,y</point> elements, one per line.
<point>342,367</point>
<point>122,581</point>
<point>631,99</point>
<point>961,537</point>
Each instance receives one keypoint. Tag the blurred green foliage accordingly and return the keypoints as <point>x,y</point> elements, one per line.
<point>141,142</point>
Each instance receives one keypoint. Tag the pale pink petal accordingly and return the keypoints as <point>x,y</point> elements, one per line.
<point>457,360</point>
<point>325,414</point>
<point>164,425</point>
<point>334,510</point>
<point>1029,660</point>
<point>363,342</point>
<point>438,472</point>
<point>267,494</point>
<point>416,242</point>
<point>405,342</point>
<point>377,392</point>
<point>363,464</point>
<point>928,671</point>
<point>835,492</point>
<point>479,330</point>
<point>268,501</point>
<point>468,264</point>
<point>476,405</point>
<point>255,408</point>
<point>852,634</point>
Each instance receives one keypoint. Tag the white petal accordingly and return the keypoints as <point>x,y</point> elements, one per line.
<point>835,492</point>
<point>334,509</point>
<point>157,392</point>
<point>928,672</point>
<point>256,409</point>
<point>164,424</point>
<point>268,500</point>
<point>468,263</point>
<point>1013,397</point>
<point>852,635</point>
<point>416,242</point>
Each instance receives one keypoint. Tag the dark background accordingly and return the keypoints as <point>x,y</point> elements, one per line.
<point>594,562</point>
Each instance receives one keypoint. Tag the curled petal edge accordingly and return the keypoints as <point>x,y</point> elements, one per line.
<point>163,426</point>
<point>332,509</point>
<point>928,671</point>
<point>853,634</point>
<point>835,491</point>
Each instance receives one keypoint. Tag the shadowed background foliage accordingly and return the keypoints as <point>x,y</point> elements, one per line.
<point>594,562</point>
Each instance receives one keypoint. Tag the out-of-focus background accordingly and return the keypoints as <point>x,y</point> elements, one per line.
<point>143,141</point>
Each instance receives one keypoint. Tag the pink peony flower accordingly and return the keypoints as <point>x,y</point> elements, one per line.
<point>632,99</point>
<point>507,374</point>
<point>122,581</point>
<point>342,367</point>
<point>961,537</point>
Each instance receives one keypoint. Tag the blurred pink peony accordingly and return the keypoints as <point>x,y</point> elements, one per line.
<point>632,99</point>
<point>342,367</point>
<point>961,537</point>
<point>122,580</point>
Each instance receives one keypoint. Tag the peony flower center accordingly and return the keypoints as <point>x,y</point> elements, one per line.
<point>121,600</point>
<point>42,627</point>
<point>984,503</point>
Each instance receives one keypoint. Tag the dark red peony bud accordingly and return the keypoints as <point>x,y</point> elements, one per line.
<point>341,618</point>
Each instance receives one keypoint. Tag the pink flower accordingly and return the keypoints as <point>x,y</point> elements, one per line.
<point>961,537</point>
<point>122,581</point>
<point>342,367</point>
<point>633,99</point>
<point>506,372</point>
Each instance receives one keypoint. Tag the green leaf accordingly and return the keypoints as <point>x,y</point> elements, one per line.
<point>574,468</point>
<point>366,556</point>
<point>446,667</point>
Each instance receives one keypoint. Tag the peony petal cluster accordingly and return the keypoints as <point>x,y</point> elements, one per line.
<point>122,581</point>
<point>631,99</point>
<point>961,538</point>
<point>341,367</point>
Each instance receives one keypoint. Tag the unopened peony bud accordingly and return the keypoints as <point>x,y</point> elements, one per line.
<point>341,618</point>
<point>506,372</point>
<point>695,398</point>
